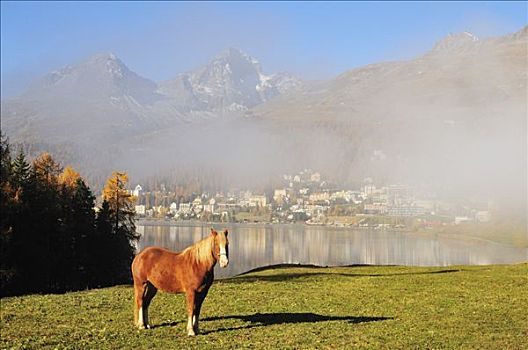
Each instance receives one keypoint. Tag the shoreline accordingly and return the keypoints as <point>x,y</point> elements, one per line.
<point>161,222</point>
<point>421,233</point>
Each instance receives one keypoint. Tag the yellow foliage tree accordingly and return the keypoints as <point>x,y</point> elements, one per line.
<point>46,169</point>
<point>69,177</point>
<point>120,200</point>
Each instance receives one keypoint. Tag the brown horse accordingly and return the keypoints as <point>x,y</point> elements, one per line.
<point>190,271</point>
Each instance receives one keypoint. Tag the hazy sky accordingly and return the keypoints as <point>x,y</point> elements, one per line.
<point>160,39</point>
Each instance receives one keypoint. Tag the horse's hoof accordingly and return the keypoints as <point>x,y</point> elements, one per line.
<point>191,334</point>
<point>141,326</point>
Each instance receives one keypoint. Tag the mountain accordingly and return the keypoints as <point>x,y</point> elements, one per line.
<point>98,77</point>
<point>231,81</point>
<point>459,72</point>
<point>456,43</point>
<point>456,114</point>
<point>100,98</point>
<point>94,100</point>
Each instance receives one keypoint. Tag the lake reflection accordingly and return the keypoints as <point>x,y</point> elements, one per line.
<point>252,246</point>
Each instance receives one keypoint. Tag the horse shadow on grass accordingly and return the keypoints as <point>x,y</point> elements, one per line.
<point>246,277</point>
<point>268,319</point>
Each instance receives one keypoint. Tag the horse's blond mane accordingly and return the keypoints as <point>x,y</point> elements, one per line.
<point>202,251</point>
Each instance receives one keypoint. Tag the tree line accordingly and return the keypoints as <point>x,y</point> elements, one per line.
<point>52,236</point>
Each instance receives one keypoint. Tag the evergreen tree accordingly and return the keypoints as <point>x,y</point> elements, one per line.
<point>21,171</point>
<point>7,268</point>
<point>5,158</point>
<point>77,228</point>
<point>37,239</point>
<point>102,248</point>
<point>83,230</point>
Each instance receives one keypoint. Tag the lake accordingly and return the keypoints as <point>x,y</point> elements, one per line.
<point>254,245</point>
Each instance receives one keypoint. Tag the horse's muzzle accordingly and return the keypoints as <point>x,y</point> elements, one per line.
<point>224,261</point>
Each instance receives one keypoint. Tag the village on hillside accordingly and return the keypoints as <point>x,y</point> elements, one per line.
<point>307,198</point>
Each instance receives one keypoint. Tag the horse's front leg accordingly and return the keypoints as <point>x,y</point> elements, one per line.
<point>191,298</point>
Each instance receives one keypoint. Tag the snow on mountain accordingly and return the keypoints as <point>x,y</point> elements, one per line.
<point>458,42</point>
<point>232,80</point>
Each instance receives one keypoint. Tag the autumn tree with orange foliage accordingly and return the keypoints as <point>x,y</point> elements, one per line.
<point>46,169</point>
<point>120,204</point>
<point>51,238</point>
<point>69,177</point>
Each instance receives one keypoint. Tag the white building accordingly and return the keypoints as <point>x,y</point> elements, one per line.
<point>337,195</point>
<point>368,189</point>
<point>257,200</point>
<point>197,206</point>
<point>137,191</point>
<point>184,207</point>
<point>461,219</point>
<point>173,208</point>
<point>210,207</point>
<point>140,209</point>
<point>319,196</point>
<point>405,210</point>
<point>375,208</point>
<point>353,196</point>
<point>482,216</point>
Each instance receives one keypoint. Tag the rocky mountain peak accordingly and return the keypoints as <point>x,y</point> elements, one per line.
<point>232,53</point>
<point>100,76</point>
<point>230,65</point>
<point>521,34</point>
<point>456,42</point>
<point>107,63</point>
<point>107,67</point>
<point>232,80</point>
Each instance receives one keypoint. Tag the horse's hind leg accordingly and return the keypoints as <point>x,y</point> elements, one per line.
<point>200,297</point>
<point>139,291</point>
<point>150,292</point>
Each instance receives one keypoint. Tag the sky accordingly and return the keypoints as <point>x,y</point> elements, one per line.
<point>158,40</point>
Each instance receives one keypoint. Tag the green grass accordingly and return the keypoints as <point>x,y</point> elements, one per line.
<point>478,307</point>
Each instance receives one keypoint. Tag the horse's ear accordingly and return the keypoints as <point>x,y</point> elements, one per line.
<point>213,232</point>
<point>225,232</point>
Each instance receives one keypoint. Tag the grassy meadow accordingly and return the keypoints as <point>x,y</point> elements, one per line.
<point>459,307</point>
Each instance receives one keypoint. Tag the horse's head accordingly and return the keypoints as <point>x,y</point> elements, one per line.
<point>221,247</point>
